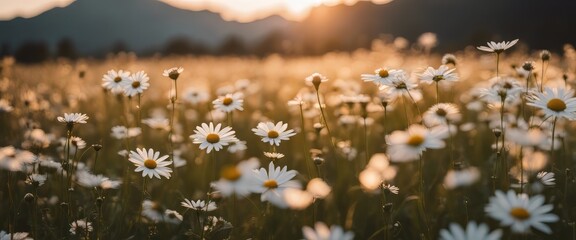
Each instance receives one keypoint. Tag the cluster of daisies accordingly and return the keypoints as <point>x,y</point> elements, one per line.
<point>525,113</point>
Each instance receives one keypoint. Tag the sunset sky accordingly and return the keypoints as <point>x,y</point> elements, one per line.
<point>237,10</point>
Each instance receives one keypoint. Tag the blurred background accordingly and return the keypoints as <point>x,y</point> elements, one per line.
<point>38,30</point>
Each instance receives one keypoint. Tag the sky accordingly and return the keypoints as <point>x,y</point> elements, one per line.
<point>231,10</point>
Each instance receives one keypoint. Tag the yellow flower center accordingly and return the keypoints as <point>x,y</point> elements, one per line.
<point>519,213</point>
<point>415,140</point>
<point>117,79</point>
<point>556,105</point>
<point>135,84</point>
<point>230,173</point>
<point>150,164</point>
<point>441,112</point>
<point>270,183</point>
<point>273,134</point>
<point>212,138</point>
<point>383,73</point>
<point>227,101</point>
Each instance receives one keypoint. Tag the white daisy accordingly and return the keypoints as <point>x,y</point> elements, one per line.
<point>171,216</point>
<point>89,180</point>
<point>210,137</point>
<point>150,163</point>
<point>199,205</point>
<point>408,145</point>
<point>506,88</point>
<point>273,134</point>
<point>272,183</point>
<point>546,178</point>
<point>121,132</point>
<point>494,47</point>
<point>442,113</point>
<point>473,231</point>
<point>237,147</point>
<point>114,81</point>
<point>315,79</point>
<point>15,236</point>
<point>431,75</point>
<point>391,188</point>
<point>557,102</point>
<point>136,84</point>
<point>322,232</point>
<point>401,85</point>
<point>173,73</point>
<point>158,123</point>
<point>381,76</point>
<point>274,155</point>
<point>229,102</point>
<point>195,96</point>
<point>318,188</point>
<point>461,177</point>
<point>81,227</point>
<point>36,179</point>
<point>521,212</point>
<point>5,106</point>
<point>73,118</point>
<point>237,179</point>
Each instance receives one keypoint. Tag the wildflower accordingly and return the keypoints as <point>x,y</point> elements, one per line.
<point>81,227</point>
<point>449,59</point>
<point>442,113</point>
<point>321,232</point>
<point>173,73</point>
<point>297,101</point>
<point>545,55</point>
<point>381,76</point>
<point>151,210</point>
<point>273,133</point>
<point>502,89</point>
<point>15,160</point>
<point>497,48</point>
<point>159,123</point>
<point>150,163</point>
<point>14,236</point>
<point>273,155</point>
<point>318,188</point>
<point>237,179</point>
<point>171,216</point>
<point>391,188</point>
<point>89,180</point>
<point>272,184</point>
<point>401,85</point>
<point>199,205</point>
<point>77,142</point>
<point>238,146</point>
<point>73,118</point>
<point>115,81</point>
<point>136,84</point>
<point>36,179</point>
<point>461,177</point>
<point>521,212</point>
<point>121,132</point>
<point>546,178</point>
<point>5,106</point>
<point>210,137</point>
<point>193,96</point>
<point>315,80</point>
<point>473,231</point>
<point>229,102</point>
<point>408,145</point>
<point>557,102</point>
<point>431,75</point>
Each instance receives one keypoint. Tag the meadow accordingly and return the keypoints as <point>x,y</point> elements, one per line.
<point>386,143</point>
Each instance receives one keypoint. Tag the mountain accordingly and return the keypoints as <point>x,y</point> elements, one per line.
<point>457,23</point>
<point>95,25</point>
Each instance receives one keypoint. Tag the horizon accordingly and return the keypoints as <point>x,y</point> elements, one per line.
<point>240,11</point>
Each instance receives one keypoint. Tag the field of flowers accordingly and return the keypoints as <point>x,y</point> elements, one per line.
<point>387,143</point>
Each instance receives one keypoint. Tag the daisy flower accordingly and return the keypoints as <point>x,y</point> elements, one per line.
<point>521,212</point>
<point>237,179</point>
<point>15,236</point>
<point>237,147</point>
<point>494,47</point>
<point>199,205</point>
<point>121,132</point>
<point>506,88</point>
<point>410,144</point>
<point>322,232</point>
<point>401,85</point>
<point>318,188</point>
<point>39,179</point>
<point>73,118</point>
<point>274,155</point>
<point>442,113</point>
<point>273,134</point>
<point>171,216</point>
<point>195,96</point>
<point>449,59</point>
<point>5,106</point>
<point>114,81</point>
<point>210,137</point>
<point>557,102</point>
<point>89,180</point>
<point>229,102</point>
<point>546,178</point>
<point>158,123</point>
<point>315,80</point>
<point>462,177</point>
<point>173,73</point>
<point>81,227</point>
<point>391,188</point>
<point>473,231</point>
<point>136,84</point>
<point>381,76</point>
<point>150,163</point>
<point>431,75</point>
<point>272,183</point>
